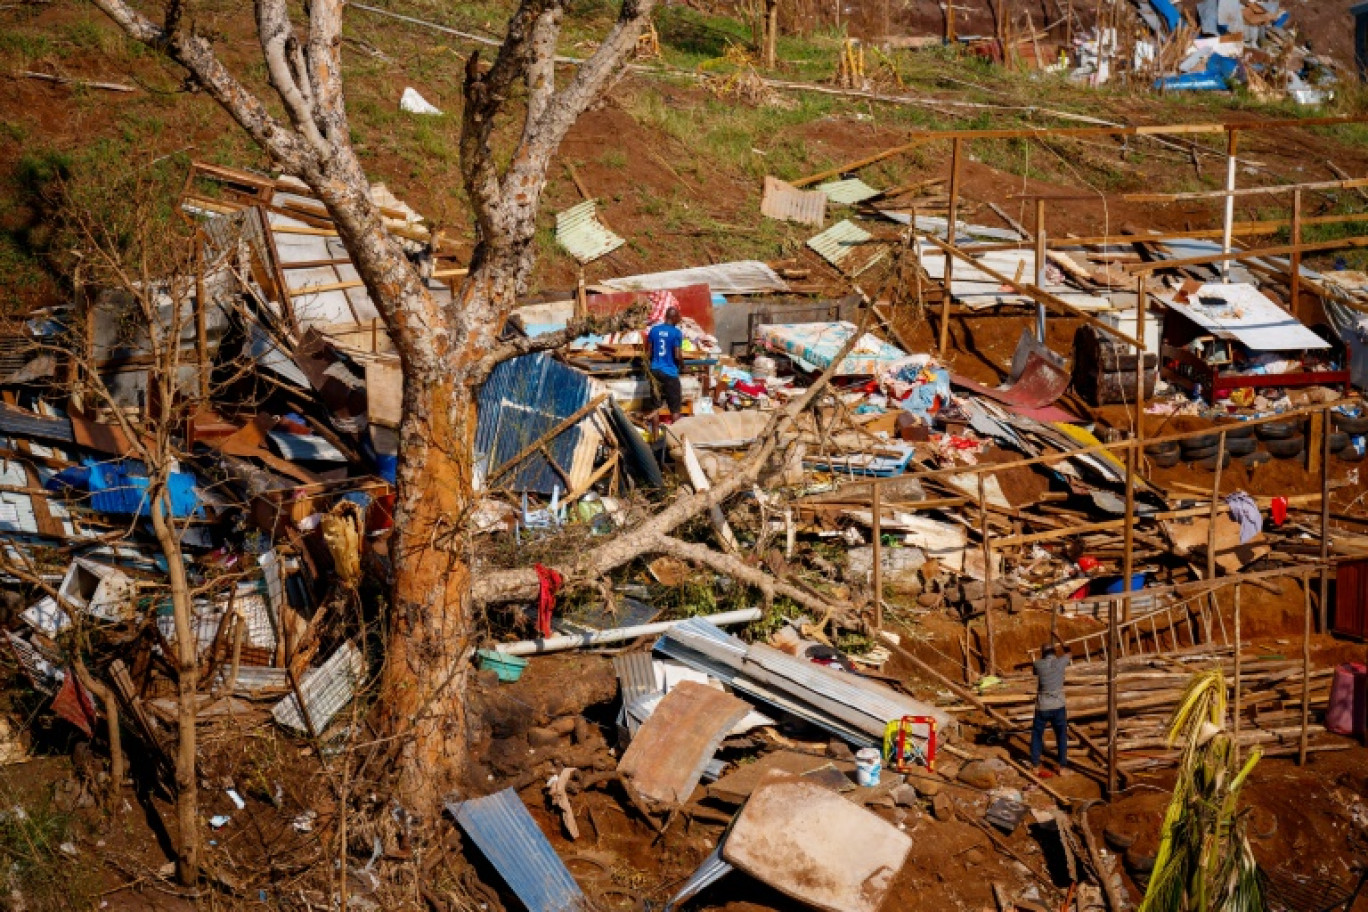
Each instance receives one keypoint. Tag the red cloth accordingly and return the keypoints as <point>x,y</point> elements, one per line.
<point>1279,510</point>
<point>661,301</point>
<point>73,703</point>
<point>550,582</point>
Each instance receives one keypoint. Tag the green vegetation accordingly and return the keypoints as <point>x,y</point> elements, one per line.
<point>34,844</point>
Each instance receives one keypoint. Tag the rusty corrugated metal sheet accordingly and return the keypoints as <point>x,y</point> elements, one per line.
<point>1351,600</point>
<point>848,247</point>
<point>580,232</point>
<point>848,192</point>
<point>787,203</point>
<point>1040,384</point>
<point>508,836</point>
<point>668,754</point>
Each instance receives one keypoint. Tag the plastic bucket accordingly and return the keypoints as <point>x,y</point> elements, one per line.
<point>868,767</point>
<point>507,667</point>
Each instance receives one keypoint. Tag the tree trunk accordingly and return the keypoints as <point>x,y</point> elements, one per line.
<point>771,33</point>
<point>187,686</point>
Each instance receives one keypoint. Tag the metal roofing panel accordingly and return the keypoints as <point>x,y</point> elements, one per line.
<point>743,277</point>
<point>580,232</point>
<point>787,203</point>
<point>23,425</point>
<point>522,399</point>
<point>1243,312</point>
<point>708,873</point>
<point>305,446</point>
<point>326,689</point>
<point>636,675</point>
<point>505,832</point>
<point>848,192</point>
<point>848,247</point>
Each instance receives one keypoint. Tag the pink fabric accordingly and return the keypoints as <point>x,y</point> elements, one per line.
<point>661,301</point>
<point>1345,714</point>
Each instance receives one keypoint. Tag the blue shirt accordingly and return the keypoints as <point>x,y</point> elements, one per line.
<point>663,340</point>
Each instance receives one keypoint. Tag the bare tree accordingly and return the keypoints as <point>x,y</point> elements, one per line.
<point>443,349</point>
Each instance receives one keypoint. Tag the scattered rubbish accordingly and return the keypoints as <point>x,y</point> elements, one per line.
<point>414,103</point>
<point>583,236</point>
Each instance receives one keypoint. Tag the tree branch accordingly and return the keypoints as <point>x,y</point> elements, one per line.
<point>584,326</point>
<point>280,48</point>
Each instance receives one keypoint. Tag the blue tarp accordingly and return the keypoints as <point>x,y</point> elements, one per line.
<point>1215,78</point>
<point>1170,13</point>
<point>120,487</point>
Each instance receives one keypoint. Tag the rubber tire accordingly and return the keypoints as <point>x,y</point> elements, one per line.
<point>1349,454</point>
<point>1201,441</point>
<point>1338,441</point>
<point>1166,460</point>
<point>1156,449</point>
<point>1256,458</point>
<point>1118,841</point>
<point>1210,462</point>
<point>1278,430</point>
<point>1203,453</point>
<point>1238,431</point>
<point>1241,446</point>
<point>1354,427</point>
<point>1139,862</point>
<point>1286,449</point>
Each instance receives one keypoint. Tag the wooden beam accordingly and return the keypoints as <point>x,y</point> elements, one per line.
<point>1243,191</point>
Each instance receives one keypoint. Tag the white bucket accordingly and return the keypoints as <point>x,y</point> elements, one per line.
<point>868,767</point>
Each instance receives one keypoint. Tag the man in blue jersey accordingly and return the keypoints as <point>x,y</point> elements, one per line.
<point>665,342</point>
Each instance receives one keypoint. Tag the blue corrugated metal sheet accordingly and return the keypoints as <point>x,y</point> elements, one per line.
<point>508,836</point>
<point>522,400</point>
<point>709,872</point>
<point>26,425</point>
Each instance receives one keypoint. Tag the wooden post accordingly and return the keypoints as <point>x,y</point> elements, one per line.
<point>1294,286</point>
<point>1325,529</point>
<point>581,299</point>
<point>949,22</point>
<point>1141,299</point>
<point>951,216</point>
<point>1040,265</point>
<point>987,576</point>
<point>201,319</point>
<point>876,506</point>
<point>1235,701</point>
<point>1128,535</point>
<point>1306,669</point>
<point>1231,143</point>
<point>1111,700</point>
<point>1314,444</point>
<point>1215,507</point>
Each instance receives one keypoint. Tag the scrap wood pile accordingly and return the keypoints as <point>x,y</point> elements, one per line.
<point>1150,688</point>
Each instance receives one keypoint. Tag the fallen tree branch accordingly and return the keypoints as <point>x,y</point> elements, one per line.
<point>584,326</point>
<point>739,570</point>
<point>83,83</point>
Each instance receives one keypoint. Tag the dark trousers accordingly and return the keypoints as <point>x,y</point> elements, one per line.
<point>669,390</point>
<point>1058,719</point>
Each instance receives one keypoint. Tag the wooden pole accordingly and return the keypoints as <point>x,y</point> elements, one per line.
<point>1306,669</point>
<point>1294,287</point>
<point>1313,443</point>
<point>1235,702</point>
<point>876,506</point>
<point>1111,700</point>
<point>1128,534</point>
<point>951,216</point>
<point>949,21</point>
<point>1040,265</point>
<point>201,319</point>
<point>1325,529</point>
<point>1215,507</point>
<point>1231,143</point>
<point>987,577</point>
<point>1140,352</point>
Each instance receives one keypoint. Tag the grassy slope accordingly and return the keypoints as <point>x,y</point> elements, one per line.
<point>676,167</point>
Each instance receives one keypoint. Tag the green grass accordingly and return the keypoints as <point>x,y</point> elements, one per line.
<point>31,840</point>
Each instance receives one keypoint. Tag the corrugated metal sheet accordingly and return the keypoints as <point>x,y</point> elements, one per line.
<point>505,832</point>
<point>787,203</point>
<point>25,425</point>
<point>848,247</point>
<point>580,232</point>
<point>709,872</point>
<point>1351,600</point>
<point>848,192</point>
<point>43,673</point>
<point>305,446</point>
<point>326,689</point>
<point>743,277</point>
<point>665,761</point>
<point>523,399</point>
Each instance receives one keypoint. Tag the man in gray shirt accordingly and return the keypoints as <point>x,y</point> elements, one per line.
<point>1049,671</point>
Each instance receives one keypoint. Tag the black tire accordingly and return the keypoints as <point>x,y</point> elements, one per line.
<point>1204,453</point>
<point>1210,462</point>
<point>1354,427</point>
<point>1349,454</point>
<point>1256,458</point>
<point>1155,449</point>
<point>1118,840</point>
<point>1286,449</point>
<point>1139,862</point>
<point>1338,441</point>
<point>1238,431</point>
<point>1201,441</point>
<point>1241,446</point>
<point>1278,430</point>
<point>1166,460</point>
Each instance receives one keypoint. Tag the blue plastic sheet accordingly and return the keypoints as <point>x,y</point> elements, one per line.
<point>1215,78</point>
<point>1170,13</point>
<point>120,487</point>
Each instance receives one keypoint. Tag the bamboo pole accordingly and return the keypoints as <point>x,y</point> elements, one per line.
<point>1040,265</point>
<point>1306,669</point>
<point>1325,529</point>
<point>1235,704</point>
<point>876,506</point>
<point>950,237</point>
<point>987,578</point>
<point>1294,286</point>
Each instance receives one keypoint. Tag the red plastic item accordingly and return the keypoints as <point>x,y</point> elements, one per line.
<point>898,757</point>
<point>1087,563</point>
